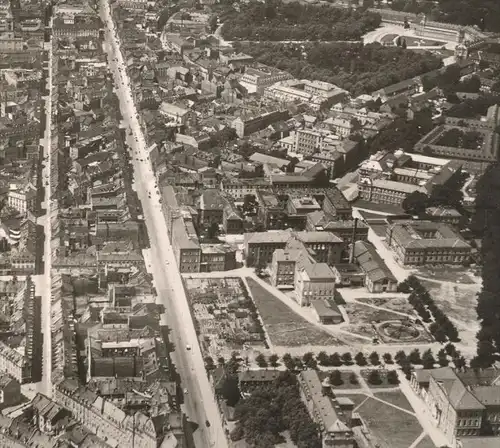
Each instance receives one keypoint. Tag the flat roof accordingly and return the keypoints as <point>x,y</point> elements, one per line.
<point>325,310</point>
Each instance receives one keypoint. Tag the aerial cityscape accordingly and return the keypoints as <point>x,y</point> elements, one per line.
<point>250,223</point>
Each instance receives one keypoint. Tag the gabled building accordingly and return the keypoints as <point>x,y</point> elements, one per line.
<point>378,277</point>
<point>334,424</point>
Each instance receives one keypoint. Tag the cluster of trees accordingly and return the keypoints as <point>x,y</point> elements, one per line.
<point>473,108</point>
<point>427,359</point>
<point>457,138</point>
<point>449,81</point>
<point>165,14</point>
<point>486,223</point>
<point>223,137</point>
<point>355,67</point>
<point>450,195</point>
<point>442,329</point>
<point>310,361</point>
<point>271,410</point>
<point>483,13</point>
<point>278,21</point>
<point>400,134</point>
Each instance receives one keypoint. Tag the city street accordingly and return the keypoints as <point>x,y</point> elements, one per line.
<point>43,284</point>
<point>199,402</point>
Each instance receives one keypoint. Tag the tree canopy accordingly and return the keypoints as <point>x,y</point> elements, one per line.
<point>355,67</point>
<point>278,21</point>
<point>483,13</point>
<point>486,222</point>
<point>272,409</point>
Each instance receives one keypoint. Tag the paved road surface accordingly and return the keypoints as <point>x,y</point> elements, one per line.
<point>199,403</point>
<point>43,282</point>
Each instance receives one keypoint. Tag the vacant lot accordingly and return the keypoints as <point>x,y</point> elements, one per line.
<point>447,274</point>
<point>284,326</point>
<point>389,427</point>
<point>360,314</point>
<point>396,398</point>
<point>399,304</point>
<point>458,302</point>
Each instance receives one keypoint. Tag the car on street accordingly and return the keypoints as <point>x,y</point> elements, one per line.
<point>188,347</point>
<point>207,423</point>
<point>185,391</point>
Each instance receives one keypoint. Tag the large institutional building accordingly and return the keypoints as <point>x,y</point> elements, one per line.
<point>426,242</point>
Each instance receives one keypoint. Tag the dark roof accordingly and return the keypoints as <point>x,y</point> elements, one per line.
<point>258,375</point>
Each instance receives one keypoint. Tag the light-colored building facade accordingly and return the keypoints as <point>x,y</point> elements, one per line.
<point>426,242</point>
<point>23,199</point>
<point>324,410</point>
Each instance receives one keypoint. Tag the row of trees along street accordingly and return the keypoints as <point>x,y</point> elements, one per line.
<point>486,225</point>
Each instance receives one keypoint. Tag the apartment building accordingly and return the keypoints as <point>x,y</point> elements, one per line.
<point>14,364</point>
<point>427,242</point>
<point>176,114</point>
<point>73,26</point>
<point>185,243</point>
<point>463,404</point>
<point>238,188</point>
<point>345,229</point>
<point>310,141</point>
<point>258,77</point>
<point>133,4</point>
<point>383,191</point>
<point>217,257</point>
<point>22,199</point>
<point>107,420</point>
<point>325,247</point>
<point>332,416</point>
<point>249,123</point>
<point>271,211</point>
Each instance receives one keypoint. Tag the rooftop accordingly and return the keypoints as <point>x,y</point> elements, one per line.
<point>324,309</point>
<point>323,406</point>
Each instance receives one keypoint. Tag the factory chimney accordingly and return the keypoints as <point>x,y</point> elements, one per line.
<point>353,240</point>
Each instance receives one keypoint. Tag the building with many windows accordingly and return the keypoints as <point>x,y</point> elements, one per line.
<point>332,416</point>
<point>427,242</point>
<point>259,76</point>
<point>324,247</point>
<point>107,420</point>
<point>22,199</point>
<point>463,404</point>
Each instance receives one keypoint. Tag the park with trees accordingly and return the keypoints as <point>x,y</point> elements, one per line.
<point>486,224</point>
<point>355,67</point>
<point>274,20</point>
<point>483,13</point>
<point>272,409</point>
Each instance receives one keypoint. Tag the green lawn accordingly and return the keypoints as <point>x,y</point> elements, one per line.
<point>357,399</point>
<point>396,398</point>
<point>426,442</point>
<point>283,325</point>
<point>346,376</point>
<point>384,383</point>
<point>389,427</point>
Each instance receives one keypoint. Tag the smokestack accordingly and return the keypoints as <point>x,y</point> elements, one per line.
<point>353,240</point>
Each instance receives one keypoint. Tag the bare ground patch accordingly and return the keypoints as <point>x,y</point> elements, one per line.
<point>283,325</point>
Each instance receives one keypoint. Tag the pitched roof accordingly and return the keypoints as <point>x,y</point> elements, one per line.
<point>324,409</point>
<point>371,262</point>
<point>258,375</point>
